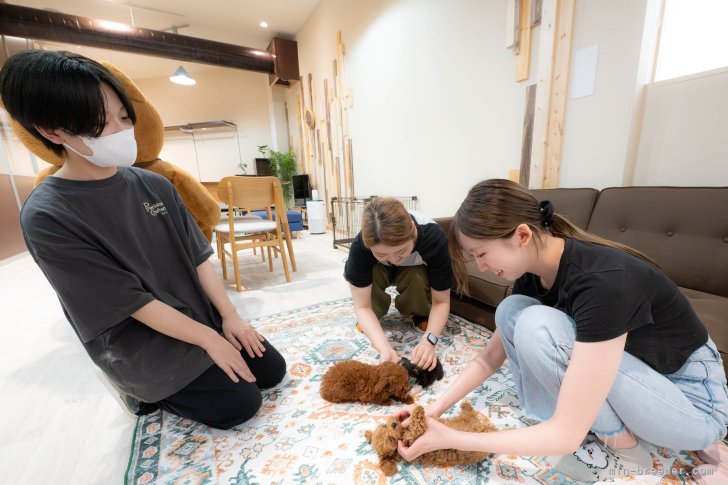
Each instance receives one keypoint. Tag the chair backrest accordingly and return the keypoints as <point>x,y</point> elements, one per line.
<point>253,193</point>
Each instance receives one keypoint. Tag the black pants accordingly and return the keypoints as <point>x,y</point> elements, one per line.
<point>215,400</point>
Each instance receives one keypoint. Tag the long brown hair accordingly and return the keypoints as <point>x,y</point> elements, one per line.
<point>385,220</point>
<point>494,208</point>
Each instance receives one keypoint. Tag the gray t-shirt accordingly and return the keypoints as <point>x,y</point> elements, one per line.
<point>108,247</point>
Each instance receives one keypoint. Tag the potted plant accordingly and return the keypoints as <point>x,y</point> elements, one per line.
<point>244,167</point>
<point>283,166</point>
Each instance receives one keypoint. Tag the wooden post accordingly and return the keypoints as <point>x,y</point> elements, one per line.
<point>527,137</point>
<point>559,93</point>
<point>557,24</point>
<point>523,59</point>
<point>302,163</point>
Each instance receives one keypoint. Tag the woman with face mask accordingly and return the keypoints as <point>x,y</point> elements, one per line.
<point>604,349</point>
<point>407,250</point>
<point>125,257</point>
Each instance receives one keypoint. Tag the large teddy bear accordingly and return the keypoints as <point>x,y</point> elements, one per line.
<point>149,134</point>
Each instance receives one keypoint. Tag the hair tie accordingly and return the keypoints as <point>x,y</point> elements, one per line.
<point>547,213</point>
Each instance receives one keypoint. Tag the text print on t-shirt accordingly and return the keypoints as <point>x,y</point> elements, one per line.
<point>155,208</point>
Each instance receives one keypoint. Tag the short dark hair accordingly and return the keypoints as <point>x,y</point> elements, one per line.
<point>58,90</point>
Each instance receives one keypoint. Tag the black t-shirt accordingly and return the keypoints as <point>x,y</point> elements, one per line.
<point>108,247</point>
<point>609,293</point>
<point>430,250</point>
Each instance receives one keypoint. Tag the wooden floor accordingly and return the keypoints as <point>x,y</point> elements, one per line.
<point>58,422</point>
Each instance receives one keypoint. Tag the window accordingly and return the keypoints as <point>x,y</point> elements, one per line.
<point>694,38</point>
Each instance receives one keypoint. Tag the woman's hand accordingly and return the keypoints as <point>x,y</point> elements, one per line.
<point>388,355</point>
<point>243,336</point>
<point>228,358</point>
<point>424,355</point>
<point>437,437</point>
<point>402,414</point>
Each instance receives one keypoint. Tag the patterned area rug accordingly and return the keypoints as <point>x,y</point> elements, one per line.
<point>297,437</point>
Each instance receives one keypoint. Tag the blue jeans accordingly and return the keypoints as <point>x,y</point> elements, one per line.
<point>687,410</point>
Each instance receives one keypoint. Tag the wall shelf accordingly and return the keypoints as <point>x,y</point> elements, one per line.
<point>200,134</point>
<point>202,125</point>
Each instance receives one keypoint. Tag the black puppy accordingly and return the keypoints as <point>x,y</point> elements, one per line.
<point>421,376</point>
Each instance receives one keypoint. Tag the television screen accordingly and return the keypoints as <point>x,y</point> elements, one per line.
<point>301,189</point>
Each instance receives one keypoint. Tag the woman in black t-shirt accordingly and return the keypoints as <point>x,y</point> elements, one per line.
<point>409,251</point>
<point>603,347</point>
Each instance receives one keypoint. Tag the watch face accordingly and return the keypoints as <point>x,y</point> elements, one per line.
<point>432,338</point>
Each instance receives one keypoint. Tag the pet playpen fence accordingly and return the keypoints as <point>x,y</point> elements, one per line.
<point>346,213</point>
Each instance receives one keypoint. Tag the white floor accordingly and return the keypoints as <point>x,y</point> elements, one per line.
<point>58,423</point>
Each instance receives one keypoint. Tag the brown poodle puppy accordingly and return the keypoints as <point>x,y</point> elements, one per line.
<point>353,381</point>
<point>384,439</point>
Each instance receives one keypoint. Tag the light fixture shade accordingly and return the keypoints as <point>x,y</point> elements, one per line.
<point>182,77</point>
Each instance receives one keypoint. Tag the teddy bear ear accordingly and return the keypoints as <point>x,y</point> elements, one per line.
<point>149,128</point>
<point>35,146</point>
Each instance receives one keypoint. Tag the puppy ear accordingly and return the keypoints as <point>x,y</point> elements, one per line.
<point>389,466</point>
<point>368,436</point>
<point>418,414</point>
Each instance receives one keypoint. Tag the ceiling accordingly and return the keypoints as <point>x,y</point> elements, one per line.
<point>231,21</point>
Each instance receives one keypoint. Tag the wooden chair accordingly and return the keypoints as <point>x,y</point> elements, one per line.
<point>253,193</point>
<point>224,220</point>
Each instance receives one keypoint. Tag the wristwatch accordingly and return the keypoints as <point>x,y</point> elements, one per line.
<point>432,338</point>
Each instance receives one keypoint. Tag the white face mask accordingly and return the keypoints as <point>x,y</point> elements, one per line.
<point>117,150</point>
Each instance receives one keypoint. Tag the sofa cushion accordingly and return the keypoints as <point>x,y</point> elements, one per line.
<point>295,218</point>
<point>444,222</point>
<point>574,204</point>
<point>486,287</point>
<point>685,229</point>
<point>473,310</point>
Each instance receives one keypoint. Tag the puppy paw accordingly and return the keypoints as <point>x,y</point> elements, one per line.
<point>389,467</point>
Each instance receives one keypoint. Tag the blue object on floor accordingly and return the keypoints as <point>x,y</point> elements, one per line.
<point>295,219</point>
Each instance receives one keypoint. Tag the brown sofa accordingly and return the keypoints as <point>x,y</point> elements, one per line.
<point>685,229</point>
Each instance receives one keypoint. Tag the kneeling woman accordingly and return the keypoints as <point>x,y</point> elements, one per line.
<point>598,338</point>
<point>136,287</point>
<point>408,250</point>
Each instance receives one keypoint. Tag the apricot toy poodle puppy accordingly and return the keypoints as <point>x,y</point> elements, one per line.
<point>384,438</point>
<point>354,381</point>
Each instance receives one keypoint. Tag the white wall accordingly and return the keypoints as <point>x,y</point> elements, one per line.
<point>597,128</point>
<point>278,118</point>
<point>220,94</point>
<point>683,138</point>
<point>436,106</point>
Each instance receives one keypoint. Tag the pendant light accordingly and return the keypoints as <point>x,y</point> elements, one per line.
<point>182,77</point>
